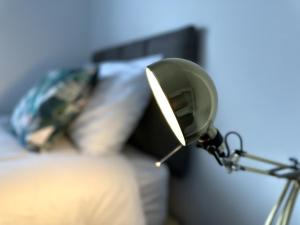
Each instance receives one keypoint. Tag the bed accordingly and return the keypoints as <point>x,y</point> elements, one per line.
<point>64,187</point>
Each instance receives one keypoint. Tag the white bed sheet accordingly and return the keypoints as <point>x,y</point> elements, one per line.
<point>153,185</point>
<point>64,187</point>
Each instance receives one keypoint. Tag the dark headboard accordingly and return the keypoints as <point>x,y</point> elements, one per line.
<point>153,135</point>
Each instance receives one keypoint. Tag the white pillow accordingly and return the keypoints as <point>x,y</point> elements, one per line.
<point>116,106</point>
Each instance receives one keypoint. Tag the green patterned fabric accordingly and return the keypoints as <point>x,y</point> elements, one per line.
<point>48,108</point>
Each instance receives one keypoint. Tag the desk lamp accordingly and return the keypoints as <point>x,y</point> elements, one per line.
<point>188,100</point>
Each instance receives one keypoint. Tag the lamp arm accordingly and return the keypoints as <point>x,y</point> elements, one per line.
<point>291,172</point>
<point>220,149</point>
<point>280,170</point>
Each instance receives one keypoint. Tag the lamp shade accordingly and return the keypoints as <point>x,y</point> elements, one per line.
<point>186,96</point>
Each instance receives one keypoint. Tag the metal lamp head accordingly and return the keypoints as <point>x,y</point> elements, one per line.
<point>186,96</point>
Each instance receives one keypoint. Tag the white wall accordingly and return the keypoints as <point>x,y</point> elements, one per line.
<point>36,36</point>
<point>253,55</point>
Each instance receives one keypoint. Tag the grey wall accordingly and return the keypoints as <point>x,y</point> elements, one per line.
<point>36,36</point>
<point>253,57</point>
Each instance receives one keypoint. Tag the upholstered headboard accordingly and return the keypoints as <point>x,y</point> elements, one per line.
<point>153,135</point>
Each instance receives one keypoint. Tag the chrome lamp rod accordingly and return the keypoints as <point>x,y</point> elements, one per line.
<point>283,208</point>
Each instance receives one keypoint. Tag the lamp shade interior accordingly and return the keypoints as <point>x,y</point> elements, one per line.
<point>165,106</point>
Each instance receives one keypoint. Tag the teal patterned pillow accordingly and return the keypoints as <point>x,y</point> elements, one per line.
<point>48,108</point>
